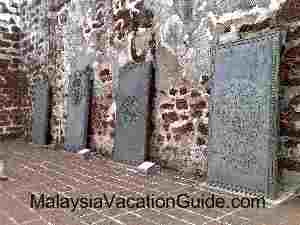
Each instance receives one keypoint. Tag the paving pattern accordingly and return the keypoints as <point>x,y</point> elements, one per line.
<point>46,171</point>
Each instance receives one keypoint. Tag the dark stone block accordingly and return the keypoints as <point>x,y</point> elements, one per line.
<point>132,113</point>
<point>184,129</point>
<point>167,106</point>
<point>244,133</point>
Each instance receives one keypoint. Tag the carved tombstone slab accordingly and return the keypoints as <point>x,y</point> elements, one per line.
<point>77,110</point>
<point>243,125</point>
<point>132,103</point>
<point>40,94</point>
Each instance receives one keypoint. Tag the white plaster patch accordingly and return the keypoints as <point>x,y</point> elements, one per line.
<point>172,33</point>
<point>123,58</point>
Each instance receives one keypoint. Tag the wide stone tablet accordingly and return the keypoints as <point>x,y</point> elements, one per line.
<point>40,97</point>
<point>77,109</point>
<point>243,123</point>
<point>132,103</point>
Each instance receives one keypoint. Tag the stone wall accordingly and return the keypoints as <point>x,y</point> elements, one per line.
<point>176,38</point>
<point>43,53</point>
<point>285,18</point>
<point>186,31</point>
<point>15,101</point>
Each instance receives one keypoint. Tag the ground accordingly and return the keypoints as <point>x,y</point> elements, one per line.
<point>38,170</point>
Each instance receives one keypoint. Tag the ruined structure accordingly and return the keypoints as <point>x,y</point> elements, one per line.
<point>60,38</point>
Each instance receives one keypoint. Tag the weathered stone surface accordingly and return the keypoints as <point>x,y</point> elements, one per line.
<point>40,100</point>
<point>121,31</point>
<point>132,113</point>
<point>78,109</point>
<point>243,137</point>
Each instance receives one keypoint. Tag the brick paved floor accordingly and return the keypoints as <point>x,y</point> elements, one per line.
<point>44,171</point>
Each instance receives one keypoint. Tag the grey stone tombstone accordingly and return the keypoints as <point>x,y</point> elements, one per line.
<point>244,122</point>
<point>220,7</point>
<point>40,100</point>
<point>77,109</point>
<point>132,109</point>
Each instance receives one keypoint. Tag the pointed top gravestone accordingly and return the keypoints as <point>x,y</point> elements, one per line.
<point>243,123</point>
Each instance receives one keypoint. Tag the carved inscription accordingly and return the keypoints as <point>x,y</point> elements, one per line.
<point>77,109</point>
<point>243,114</point>
<point>76,89</point>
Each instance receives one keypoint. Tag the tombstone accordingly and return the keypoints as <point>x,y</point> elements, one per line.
<point>40,99</point>
<point>77,109</point>
<point>132,109</point>
<point>244,120</point>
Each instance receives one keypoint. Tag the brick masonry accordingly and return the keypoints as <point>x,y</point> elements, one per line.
<point>15,100</point>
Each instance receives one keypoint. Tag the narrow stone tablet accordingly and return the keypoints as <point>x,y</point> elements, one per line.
<point>40,100</point>
<point>132,113</point>
<point>77,110</point>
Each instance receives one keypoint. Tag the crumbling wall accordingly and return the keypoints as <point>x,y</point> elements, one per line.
<point>15,101</point>
<point>176,36</point>
<point>35,47</point>
<point>183,62</point>
<point>124,37</point>
<point>187,30</point>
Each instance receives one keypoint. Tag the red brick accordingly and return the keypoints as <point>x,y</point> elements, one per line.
<point>4,123</point>
<point>177,137</point>
<point>202,104</point>
<point>182,90</point>
<point>170,117</point>
<point>168,136</point>
<point>167,106</point>
<point>184,129</point>
<point>181,104</point>
<point>166,126</point>
<point>184,117</point>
